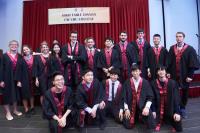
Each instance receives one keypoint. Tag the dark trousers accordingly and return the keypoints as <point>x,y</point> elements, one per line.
<point>148,120</point>
<point>184,97</point>
<point>112,110</point>
<point>85,118</point>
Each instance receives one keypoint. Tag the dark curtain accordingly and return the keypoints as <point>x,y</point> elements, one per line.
<point>128,15</point>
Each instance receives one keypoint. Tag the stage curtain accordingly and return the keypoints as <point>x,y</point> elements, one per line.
<point>128,15</point>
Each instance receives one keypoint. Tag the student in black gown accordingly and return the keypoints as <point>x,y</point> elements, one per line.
<point>183,62</point>
<point>10,82</point>
<point>141,46</point>
<point>167,101</point>
<point>54,63</point>
<point>108,58</point>
<point>74,58</point>
<point>127,56</point>
<point>92,55</point>
<point>113,96</point>
<point>58,105</point>
<point>40,69</point>
<point>28,85</point>
<point>90,102</point>
<point>157,55</point>
<point>137,98</point>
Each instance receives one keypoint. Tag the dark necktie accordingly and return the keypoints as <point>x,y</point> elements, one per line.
<point>113,94</point>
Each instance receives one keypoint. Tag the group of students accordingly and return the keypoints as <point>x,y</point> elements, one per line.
<point>129,81</point>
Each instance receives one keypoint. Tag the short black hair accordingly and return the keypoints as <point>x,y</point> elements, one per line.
<point>161,67</point>
<point>125,32</point>
<point>86,71</point>
<point>56,73</point>
<point>156,35</point>
<point>140,30</point>
<point>108,38</point>
<point>115,71</point>
<point>134,67</point>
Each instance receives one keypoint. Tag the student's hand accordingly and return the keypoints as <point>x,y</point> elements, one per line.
<point>2,84</point>
<point>145,111</point>
<point>177,117</point>
<point>37,82</point>
<point>93,113</point>
<point>149,74</point>
<point>154,115</point>
<point>188,79</point>
<point>168,76</point>
<point>19,84</point>
<point>63,119</point>
<point>127,114</point>
<point>102,105</point>
<point>110,68</point>
<point>60,123</point>
<point>121,115</point>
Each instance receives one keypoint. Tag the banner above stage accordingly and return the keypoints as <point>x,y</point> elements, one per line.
<point>79,15</point>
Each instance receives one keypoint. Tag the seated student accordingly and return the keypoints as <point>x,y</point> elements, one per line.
<point>57,105</point>
<point>167,101</point>
<point>89,99</point>
<point>137,96</point>
<point>113,91</point>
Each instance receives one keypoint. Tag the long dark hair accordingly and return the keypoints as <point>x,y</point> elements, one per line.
<point>53,52</point>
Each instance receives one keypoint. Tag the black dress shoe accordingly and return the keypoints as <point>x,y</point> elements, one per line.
<point>102,126</point>
<point>28,114</point>
<point>32,111</point>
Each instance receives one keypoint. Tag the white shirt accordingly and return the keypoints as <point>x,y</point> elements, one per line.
<point>136,83</point>
<point>110,89</point>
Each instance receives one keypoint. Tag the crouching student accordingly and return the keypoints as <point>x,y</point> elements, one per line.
<point>113,93</point>
<point>90,102</point>
<point>57,105</point>
<point>137,96</point>
<point>167,101</point>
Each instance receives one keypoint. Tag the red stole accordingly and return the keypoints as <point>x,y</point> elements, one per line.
<point>140,47</point>
<point>163,97</point>
<point>89,92</point>
<point>59,104</point>
<point>135,99</point>
<point>157,53</point>
<point>69,51</point>
<point>90,54</point>
<point>178,54</point>
<point>44,61</point>
<point>119,89</point>
<point>13,60</point>
<point>108,54</point>
<point>29,63</point>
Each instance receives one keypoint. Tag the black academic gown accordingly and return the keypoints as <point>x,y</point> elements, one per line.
<point>1,68</point>
<point>131,58</point>
<point>153,64</point>
<point>82,100</point>
<point>95,61</point>
<point>188,64</point>
<point>40,70</point>
<point>115,62</point>
<point>145,51</point>
<point>27,81</point>
<point>79,59</point>
<point>11,93</point>
<point>50,109</point>
<point>53,65</point>
<point>172,105</point>
<point>146,94</point>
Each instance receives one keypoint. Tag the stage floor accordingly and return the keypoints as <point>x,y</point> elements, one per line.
<point>36,124</point>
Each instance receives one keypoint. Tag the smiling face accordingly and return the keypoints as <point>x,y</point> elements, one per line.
<point>140,35</point>
<point>90,43</point>
<point>13,46</point>
<point>26,50</point>
<point>156,40</point>
<point>123,37</point>
<point>44,48</point>
<point>136,73</point>
<point>108,43</point>
<point>73,37</point>
<point>114,77</point>
<point>56,48</point>
<point>161,73</point>
<point>88,77</point>
<point>59,82</point>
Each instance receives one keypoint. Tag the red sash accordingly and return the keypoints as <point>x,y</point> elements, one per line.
<point>44,61</point>
<point>140,47</point>
<point>59,104</point>
<point>108,54</point>
<point>157,53</point>
<point>90,54</point>
<point>119,89</point>
<point>135,99</point>
<point>163,98</point>
<point>69,51</point>
<point>124,58</point>
<point>178,54</point>
<point>89,92</point>
<point>29,63</point>
<point>13,60</point>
